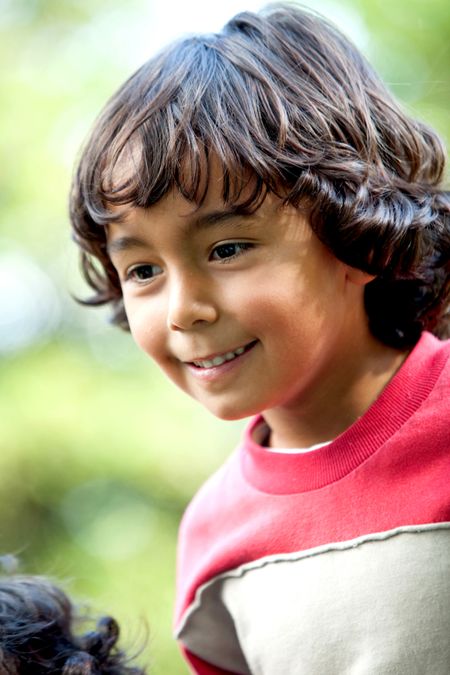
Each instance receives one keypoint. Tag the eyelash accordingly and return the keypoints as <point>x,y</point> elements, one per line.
<point>132,274</point>
<point>243,247</point>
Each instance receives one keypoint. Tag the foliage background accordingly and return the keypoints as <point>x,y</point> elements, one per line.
<point>98,454</point>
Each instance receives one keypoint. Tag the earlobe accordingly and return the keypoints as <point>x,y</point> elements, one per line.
<point>359,277</point>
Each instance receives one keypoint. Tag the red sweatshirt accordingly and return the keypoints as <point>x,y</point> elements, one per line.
<point>334,561</point>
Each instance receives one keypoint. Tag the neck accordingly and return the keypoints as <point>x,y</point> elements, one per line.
<point>342,397</point>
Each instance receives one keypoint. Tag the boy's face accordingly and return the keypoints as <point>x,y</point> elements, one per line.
<point>244,313</point>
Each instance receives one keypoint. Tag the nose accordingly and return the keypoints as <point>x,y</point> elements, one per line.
<point>191,302</point>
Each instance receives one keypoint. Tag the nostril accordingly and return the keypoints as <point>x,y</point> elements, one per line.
<point>185,316</point>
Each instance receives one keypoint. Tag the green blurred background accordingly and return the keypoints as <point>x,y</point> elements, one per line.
<point>98,454</point>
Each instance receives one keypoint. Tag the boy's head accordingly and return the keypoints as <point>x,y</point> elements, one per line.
<point>279,103</point>
<point>37,634</point>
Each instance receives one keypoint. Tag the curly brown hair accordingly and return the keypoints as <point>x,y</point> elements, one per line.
<point>37,634</point>
<point>287,105</point>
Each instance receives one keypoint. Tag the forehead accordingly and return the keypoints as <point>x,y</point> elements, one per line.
<point>175,215</point>
<point>175,211</point>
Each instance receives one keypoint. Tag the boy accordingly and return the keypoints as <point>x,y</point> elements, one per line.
<point>37,637</point>
<point>272,229</point>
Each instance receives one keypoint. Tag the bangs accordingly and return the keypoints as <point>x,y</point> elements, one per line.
<point>215,121</point>
<point>136,177</point>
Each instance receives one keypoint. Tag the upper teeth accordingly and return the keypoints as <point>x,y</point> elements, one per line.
<point>218,360</point>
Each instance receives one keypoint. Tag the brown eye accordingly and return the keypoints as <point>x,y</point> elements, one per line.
<point>229,250</point>
<point>142,273</point>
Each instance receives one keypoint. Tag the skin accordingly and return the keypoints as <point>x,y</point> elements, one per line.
<point>201,282</point>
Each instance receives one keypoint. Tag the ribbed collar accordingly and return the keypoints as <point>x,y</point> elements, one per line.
<point>287,474</point>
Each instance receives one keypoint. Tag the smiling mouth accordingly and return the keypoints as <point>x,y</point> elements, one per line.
<point>222,358</point>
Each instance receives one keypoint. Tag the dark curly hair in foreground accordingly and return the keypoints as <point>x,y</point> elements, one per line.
<point>285,104</point>
<point>36,634</point>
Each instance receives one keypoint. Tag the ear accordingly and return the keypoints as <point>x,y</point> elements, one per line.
<point>358,277</point>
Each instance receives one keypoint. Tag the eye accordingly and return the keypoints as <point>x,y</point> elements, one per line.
<point>140,274</point>
<point>230,250</point>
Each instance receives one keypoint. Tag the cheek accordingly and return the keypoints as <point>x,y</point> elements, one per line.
<point>146,328</point>
<point>294,318</point>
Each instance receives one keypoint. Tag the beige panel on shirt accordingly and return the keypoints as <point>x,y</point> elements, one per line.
<point>377,605</point>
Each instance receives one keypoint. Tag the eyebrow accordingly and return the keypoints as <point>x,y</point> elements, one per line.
<point>216,218</point>
<point>124,244</point>
<point>201,222</point>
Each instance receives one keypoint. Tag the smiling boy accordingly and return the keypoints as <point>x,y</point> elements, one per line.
<point>273,230</point>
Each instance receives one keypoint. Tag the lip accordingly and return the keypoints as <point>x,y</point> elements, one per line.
<point>215,372</point>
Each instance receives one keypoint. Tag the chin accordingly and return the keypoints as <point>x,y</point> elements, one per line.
<point>230,413</point>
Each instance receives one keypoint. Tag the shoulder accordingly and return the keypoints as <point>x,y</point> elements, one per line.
<point>437,355</point>
<point>205,510</point>
<point>207,533</point>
